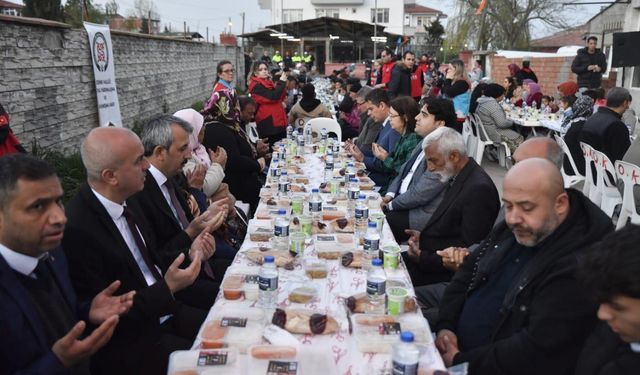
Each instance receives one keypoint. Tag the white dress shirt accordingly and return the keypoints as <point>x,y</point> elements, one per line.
<point>404,185</point>
<point>115,211</point>
<point>161,179</point>
<point>21,263</point>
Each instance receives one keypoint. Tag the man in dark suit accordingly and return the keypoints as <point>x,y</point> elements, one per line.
<point>107,238</point>
<point>38,307</point>
<point>166,148</point>
<point>465,214</point>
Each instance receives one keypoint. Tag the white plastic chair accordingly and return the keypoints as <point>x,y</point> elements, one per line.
<point>331,125</point>
<point>629,174</point>
<point>569,180</point>
<point>252,132</point>
<point>607,191</point>
<point>472,137</point>
<point>504,153</point>
<point>589,187</point>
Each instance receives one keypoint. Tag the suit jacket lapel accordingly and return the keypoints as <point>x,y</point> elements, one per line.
<point>105,220</point>
<point>158,198</point>
<point>12,286</point>
<point>453,191</point>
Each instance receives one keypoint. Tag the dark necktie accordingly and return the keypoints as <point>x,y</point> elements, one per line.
<point>131,222</point>
<point>182,217</point>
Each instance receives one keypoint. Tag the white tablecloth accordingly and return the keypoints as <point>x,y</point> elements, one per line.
<point>341,283</point>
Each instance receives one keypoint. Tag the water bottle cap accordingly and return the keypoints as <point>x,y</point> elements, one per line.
<point>377,262</point>
<point>354,180</point>
<point>372,224</point>
<point>282,211</point>
<point>350,164</point>
<point>283,173</point>
<point>362,196</point>
<point>315,190</point>
<point>406,336</point>
<point>269,259</point>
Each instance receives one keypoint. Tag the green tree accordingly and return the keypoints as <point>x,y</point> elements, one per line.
<point>47,9</point>
<point>73,12</point>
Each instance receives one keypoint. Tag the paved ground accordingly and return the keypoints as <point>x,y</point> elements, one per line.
<point>496,172</point>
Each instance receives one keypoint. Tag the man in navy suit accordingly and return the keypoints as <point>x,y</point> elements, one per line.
<point>38,307</point>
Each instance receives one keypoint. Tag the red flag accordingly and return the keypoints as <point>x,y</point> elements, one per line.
<point>483,4</point>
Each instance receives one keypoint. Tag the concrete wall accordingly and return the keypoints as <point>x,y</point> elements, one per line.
<point>46,78</point>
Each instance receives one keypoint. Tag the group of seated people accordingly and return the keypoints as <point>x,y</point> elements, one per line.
<point>125,273</point>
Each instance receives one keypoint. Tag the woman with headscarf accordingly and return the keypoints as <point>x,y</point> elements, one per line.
<point>308,107</point>
<point>243,174</point>
<point>582,109</point>
<point>514,69</point>
<point>9,144</point>
<point>534,94</point>
<point>212,161</point>
<point>495,121</point>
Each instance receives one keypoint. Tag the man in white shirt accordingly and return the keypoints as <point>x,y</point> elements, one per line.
<point>415,193</point>
<point>107,236</point>
<point>38,307</point>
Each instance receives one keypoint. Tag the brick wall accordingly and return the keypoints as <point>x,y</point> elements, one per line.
<point>46,78</point>
<point>551,71</point>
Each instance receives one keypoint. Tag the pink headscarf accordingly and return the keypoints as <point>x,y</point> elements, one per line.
<point>196,120</point>
<point>532,90</point>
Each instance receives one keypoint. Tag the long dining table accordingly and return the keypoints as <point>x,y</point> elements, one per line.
<point>353,347</point>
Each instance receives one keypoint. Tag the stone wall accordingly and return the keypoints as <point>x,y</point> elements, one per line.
<point>46,78</point>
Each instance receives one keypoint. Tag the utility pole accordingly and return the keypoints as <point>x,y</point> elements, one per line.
<point>207,34</point>
<point>375,30</point>
<point>184,29</point>
<point>282,26</point>
<point>149,22</point>
<point>242,41</point>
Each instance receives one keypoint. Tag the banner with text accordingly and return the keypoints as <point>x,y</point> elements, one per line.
<point>104,73</point>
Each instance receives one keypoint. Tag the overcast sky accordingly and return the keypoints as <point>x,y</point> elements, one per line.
<point>215,14</point>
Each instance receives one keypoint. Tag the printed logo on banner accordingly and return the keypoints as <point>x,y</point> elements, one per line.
<point>101,52</point>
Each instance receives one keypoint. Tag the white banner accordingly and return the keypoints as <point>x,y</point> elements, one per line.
<point>104,74</point>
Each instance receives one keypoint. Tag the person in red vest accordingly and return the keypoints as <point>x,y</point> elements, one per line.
<point>417,77</point>
<point>9,144</point>
<point>387,66</point>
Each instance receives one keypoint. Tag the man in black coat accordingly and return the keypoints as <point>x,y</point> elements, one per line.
<point>107,238</point>
<point>604,130</point>
<point>166,148</point>
<point>39,310</point>
<point>400,83</point>
<point>515,305</point>
<point>610,273</point>
<point>589,65</point>
<point>465,215</point>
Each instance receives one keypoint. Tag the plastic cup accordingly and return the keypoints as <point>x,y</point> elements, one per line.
<point>296,205</point>
<point>296,243</point>
<point>334,186</point>
<point>395,300</point>
<point>391,255</point>
<point>377,218</point>
<point>306,225</point>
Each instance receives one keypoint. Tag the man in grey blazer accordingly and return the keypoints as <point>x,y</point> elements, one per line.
<point>415,193</point>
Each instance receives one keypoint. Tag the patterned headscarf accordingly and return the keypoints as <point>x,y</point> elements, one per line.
<point>581,109</point>
<point>223,106</point>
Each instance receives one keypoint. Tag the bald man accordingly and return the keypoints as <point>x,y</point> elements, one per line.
<point>539,147</point>
<point>514,306</point>
<point>107,237</point>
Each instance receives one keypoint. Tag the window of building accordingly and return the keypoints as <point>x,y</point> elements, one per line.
<point>328,12</point>
<point>382,15</point>
<point>423,21</point>
<point>291,15</point>
<point>9,12</point>
<point>635,81</point>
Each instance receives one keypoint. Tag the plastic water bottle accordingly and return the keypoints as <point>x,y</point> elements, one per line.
<point>405,355</point>
<point>315,204</point>
<point>361,215</point>
<point>349,173</point>
<point>283,184</point>
<point>281,230</point>
<point>371,244</point>
<point>289,132</point>
<point>300,142</point>
<point>376,287</point>
<point>353,192</point>
<point>534,105</point>
<point>308,133</point>
<point>268,283</point>
<point>323,134</point>
<point>274,172</point>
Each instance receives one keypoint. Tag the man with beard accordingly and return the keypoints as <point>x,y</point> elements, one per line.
<point>465,215</point>
<point>515,306</point>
